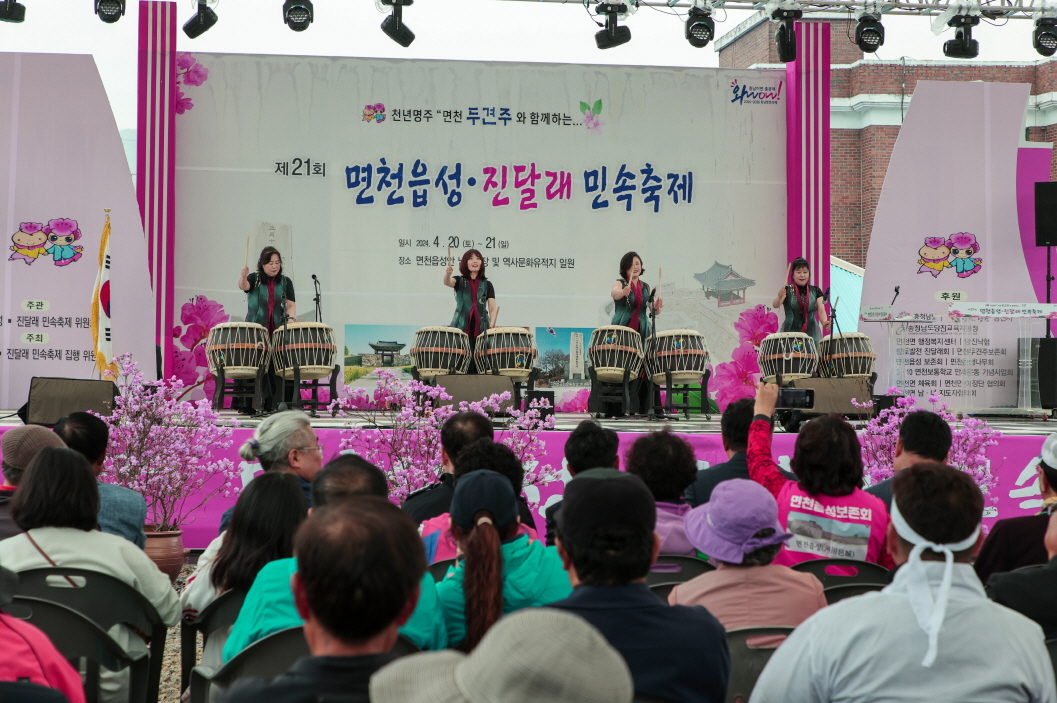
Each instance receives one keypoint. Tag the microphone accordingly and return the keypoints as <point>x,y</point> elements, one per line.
<point>314,277</point>
<point>895,296</point>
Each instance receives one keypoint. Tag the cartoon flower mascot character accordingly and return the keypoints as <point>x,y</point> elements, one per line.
<point>62,233</point>
<point>963,245</point>
<point>28,242</point>
<point>934,256</point>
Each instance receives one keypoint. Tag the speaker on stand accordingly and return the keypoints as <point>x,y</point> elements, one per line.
<point>1046,236</point>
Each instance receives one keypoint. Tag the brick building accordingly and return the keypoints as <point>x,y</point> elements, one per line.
<point>868,99</point>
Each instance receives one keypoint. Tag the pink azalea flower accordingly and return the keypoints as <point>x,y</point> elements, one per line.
<point>193,335</point>
<point>737,378</point>
<point>185,367</point>
<point>324,394</point>
<point>177,331</point>
<point>203,311</point>
<point>756,323</point>
<point>576,404</point>
<point>196,75</point>
<point>184,61</point>
<point>592,122</point>
<point>183,104</point>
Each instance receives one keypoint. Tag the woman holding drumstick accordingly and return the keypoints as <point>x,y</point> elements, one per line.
<point>803,303</point>
<point>266,289</point>
<point>475,308</point>
<point>632,295</point>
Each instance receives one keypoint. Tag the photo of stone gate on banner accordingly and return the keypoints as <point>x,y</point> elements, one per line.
<point>364,172</point>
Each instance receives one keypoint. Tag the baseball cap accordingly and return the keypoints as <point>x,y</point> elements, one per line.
<point>536,655</point>
<point>723,528</point>
<point>483,490</point>
<point>1049,451</point>
<point>20,444</point>
<point>605,499</point>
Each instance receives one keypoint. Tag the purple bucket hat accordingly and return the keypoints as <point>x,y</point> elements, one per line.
<point>723,528</point>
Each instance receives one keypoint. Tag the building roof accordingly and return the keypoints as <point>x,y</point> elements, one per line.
<point>386,346</point>
<point>723,277</point>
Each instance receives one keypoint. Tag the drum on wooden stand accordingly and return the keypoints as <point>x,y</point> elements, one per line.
<point>682,352</point>
<point>440,350</point>
<point>846,355</point>
<point>241,348</point>
<point>613,350</point>
<point>510,351</point>
<point>792,354</point>
<point>308,345</point>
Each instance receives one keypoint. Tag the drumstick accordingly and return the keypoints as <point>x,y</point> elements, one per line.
<point>247,252</point>
<point>449,256</point>
<point>494,319</point>
<point>660,279</point>
<point>788,270</point>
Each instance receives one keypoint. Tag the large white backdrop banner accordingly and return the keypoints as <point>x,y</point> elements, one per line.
<point>364,172</point>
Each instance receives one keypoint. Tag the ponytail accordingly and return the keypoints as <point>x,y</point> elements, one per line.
<point>482,577</point>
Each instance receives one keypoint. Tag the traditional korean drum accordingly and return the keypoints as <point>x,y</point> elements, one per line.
<point>614,349</point>
<point>440,350</point>
<point>509,350</point>
<point>240,347</point>
<point>308,345</point>
<point>683,352</point>
<point>792,354</point>
<point>850,354</point>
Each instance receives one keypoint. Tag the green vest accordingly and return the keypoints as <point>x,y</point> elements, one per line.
<point>624,306</point>
<point>462,304</point>
<point>257,302</point>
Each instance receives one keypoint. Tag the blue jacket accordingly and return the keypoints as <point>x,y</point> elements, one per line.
<point>122,512</point>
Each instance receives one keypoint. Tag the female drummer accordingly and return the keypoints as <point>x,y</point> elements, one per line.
<point>474,298</point>
<point>803,303</point>
<point>265,291</point>
<point>631,295</point>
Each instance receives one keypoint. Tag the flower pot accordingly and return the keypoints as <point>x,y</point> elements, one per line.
<point>166,550</point>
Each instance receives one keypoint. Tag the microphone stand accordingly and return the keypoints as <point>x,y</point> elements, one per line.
<point>652,312</point>
<point>283,405</point>
<point>318,299</point>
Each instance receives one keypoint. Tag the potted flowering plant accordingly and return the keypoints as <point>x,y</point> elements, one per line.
<point>164,448</point>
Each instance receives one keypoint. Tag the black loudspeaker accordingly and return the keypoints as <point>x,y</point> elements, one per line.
<point>1046,371</point>
<point>472,388</point>
<point>51,399</point>
<point>834,395</point>
<point>1046,214</point>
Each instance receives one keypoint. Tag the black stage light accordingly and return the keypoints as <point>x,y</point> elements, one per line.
<point>785,36</point>
<point>110,11</point>
<point>700,27</point>
<point>11,11</point>
<point>869,33</point>
<point>394,26</point>
<point>298,14</point>
<point>613,34</point>
<point>1045,38</point>
<point>963,46</point>
<point>199,24</point>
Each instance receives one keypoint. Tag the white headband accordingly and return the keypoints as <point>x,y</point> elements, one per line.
<point>929,612</point>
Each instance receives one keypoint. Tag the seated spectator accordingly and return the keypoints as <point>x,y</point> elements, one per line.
<point>29,655</point>
<point>359,565</point>
<point>459,431</point>
<point>269,605</point>
<point>1019,541</point>
<point>262,528</point>
<point>607,543</point>
<point>501,570</point>
<point>482,454</point>
<point>932,635</point>
<point>538,655</point>
<point>122,511</point>
<point>739,531</point>
<point>923,436</point>
<point>825,508</point>
<point>1032,592</point>
<point>18,446</point>
<point>284,442</point>
<point>734,432</point>
<point>665,462</point>
<point>56,505</point>
<point>589,446</point>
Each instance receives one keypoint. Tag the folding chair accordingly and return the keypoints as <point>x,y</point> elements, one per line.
<point>219,614</point>
<point>848,590</point>
<point>746,663</point>
<point>440,568</point>
<point>266,658</point>
<point>404,646</point>
<point>663,590</point>
<point>676,568</point>
<point>828,571</point>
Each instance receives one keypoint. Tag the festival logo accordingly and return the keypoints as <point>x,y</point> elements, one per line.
<point>34,240</point>
<point>956,252</point>
<point>374,113</point>
<point>765,94</point>
<point>591,111</point>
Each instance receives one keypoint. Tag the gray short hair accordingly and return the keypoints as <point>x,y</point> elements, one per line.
<point>275,437</point>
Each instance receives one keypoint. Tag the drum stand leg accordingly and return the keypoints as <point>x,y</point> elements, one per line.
<point>706,408</point>
<point>218,388</point>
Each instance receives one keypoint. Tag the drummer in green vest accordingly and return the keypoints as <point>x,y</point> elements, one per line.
<point>266,290</point>
<point>631,296</point>
<point>474,298</point>
<point>805,306</point>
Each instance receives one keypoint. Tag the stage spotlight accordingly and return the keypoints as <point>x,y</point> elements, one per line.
<point>963,46</point>
<point>785,36</point>
<point>11,11</point>
<point>700,27</point>
<point>199,24</point>
<point>394,26</point>
<point>1045,39</point>
<point>869,33</point>
<point>110,11</point>
<point>298,14</point>
<point>613,34</point>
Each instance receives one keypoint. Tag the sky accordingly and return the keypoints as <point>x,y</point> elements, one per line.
<point>478,30</point>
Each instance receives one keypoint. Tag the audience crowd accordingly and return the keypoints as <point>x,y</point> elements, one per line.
<point>578,612</point>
